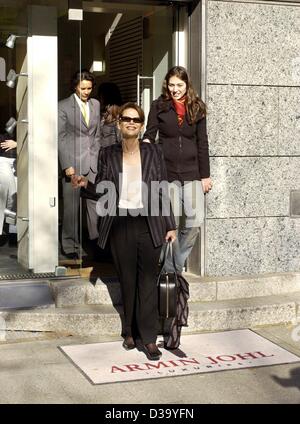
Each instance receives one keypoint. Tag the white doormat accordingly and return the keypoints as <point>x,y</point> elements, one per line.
<point>201,353</point>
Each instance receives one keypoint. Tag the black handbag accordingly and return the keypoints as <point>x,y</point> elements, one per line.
<point>167,288</point>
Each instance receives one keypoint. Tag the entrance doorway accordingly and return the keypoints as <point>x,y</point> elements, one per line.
<point>131,44</point>
<point>128,45</point>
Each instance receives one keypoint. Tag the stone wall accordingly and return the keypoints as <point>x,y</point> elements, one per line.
<point>253,96</point>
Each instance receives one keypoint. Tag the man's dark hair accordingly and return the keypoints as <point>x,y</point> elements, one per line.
<point>79,76</point>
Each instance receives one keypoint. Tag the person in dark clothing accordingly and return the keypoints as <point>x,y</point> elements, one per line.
<point>126,173</point>
<point>110,100</point>
<point>78,149</point>
<point>178,116</point>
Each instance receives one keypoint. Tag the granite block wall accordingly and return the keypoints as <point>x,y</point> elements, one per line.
<point>253,96</point>
<point>255,44</point>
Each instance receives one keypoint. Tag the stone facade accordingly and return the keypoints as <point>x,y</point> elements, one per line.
<point>253,96</point>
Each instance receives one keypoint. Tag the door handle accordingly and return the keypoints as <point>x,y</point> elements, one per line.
<point>23,218</point>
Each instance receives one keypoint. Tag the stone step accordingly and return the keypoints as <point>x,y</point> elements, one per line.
<point>203,316</point>
<point>82,292</point>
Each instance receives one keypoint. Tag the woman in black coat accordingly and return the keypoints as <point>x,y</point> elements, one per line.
<point>137,219</point>
<point>178,116</point>
<point>110,100</point>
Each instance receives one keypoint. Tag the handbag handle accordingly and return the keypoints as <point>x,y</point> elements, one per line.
<point>168,249</point>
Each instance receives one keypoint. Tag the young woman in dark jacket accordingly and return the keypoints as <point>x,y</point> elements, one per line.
<point>178,117</point>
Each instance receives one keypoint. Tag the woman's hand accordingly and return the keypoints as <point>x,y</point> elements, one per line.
<point>8,145</point>
<point>79,181</point>
<point>171,236</point>
<point>70,171</point>
<point>206,184</point>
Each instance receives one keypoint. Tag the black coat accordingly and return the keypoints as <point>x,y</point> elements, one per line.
<point>109,134</point>
<point>185,148</point>
<point>110,164</point>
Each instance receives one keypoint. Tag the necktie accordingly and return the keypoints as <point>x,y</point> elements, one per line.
<point>84,113</point>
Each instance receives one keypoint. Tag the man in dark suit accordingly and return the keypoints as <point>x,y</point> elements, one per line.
<point>78,149</point>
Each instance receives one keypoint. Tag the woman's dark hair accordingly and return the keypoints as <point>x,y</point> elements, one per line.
<point>109,94</point>
<point>195,107</point>
<point>110,101</point>
<point>131,105</point>
<point>111,114</point>
<point>79,76</point>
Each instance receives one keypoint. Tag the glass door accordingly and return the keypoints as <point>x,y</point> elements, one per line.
<point>73,113</point>
<point>158,55</point>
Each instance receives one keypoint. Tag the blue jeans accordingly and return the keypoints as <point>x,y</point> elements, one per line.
<point>188,208</point>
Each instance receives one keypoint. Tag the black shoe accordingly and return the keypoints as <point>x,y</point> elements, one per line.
<point>128,343</point>
<point>152,352</point>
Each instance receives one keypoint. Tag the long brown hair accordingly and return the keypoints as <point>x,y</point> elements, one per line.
<point>111,114</point>
<point>196,108</point>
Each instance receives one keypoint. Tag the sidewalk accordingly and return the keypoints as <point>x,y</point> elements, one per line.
<point>35,371</point>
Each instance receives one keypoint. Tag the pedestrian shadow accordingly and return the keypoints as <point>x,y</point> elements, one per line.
<point>292,381</point>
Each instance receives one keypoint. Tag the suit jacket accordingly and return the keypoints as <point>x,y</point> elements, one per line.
<point>78,144</point>
<point>110,166</point>
<point>185,147</point>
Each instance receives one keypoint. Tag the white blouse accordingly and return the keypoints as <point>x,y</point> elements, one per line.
<point>131,193</point>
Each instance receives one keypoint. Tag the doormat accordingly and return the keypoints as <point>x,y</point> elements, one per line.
<point>201,353</point>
